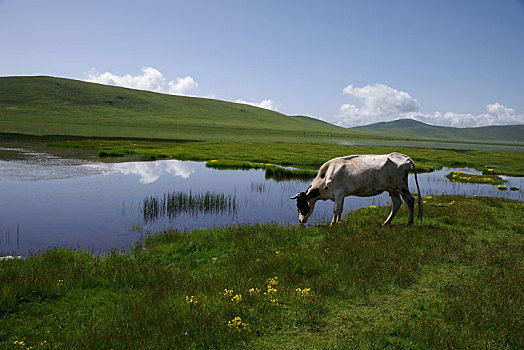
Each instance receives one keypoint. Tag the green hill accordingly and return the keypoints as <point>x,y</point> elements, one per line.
<point>408,128</point>
<point>56,106</point>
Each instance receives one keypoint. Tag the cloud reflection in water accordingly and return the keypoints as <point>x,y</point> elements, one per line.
<point>149,172</point>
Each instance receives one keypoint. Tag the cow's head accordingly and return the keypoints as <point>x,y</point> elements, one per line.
<point>305,204</point>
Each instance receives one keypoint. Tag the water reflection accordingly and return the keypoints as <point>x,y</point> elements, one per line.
<point>148,172</point>
<point>47,201</point>
<point>23,165</point>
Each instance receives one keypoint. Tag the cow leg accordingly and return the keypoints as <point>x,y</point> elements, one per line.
<point>410,201</point>
<point>337,209</point>
<point>397,202</point>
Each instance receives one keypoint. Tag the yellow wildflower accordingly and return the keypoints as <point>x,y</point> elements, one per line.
<point>237,298</point>
<point>303,292</point>
<point>254,291</point>
<point>237,323</point>
<point>191,300</point>
<point>270,290</point>
<point>228,292</point>
<point>372,206</point>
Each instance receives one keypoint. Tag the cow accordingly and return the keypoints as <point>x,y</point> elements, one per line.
<point>363,176</point>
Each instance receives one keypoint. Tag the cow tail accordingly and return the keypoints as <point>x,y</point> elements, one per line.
<point>420,206</point>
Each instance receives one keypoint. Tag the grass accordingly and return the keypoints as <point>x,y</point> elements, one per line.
<point>235,164</point>
<point>272,171</point>
<point>279,173</point>
<point>174,203</point>
<point>459,176</point>
<point>56,106</point>
<point>454,281</point>
<point>40,105</point>
<point>307,156</point>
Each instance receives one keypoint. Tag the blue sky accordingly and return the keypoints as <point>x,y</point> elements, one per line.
<point>447,62</point>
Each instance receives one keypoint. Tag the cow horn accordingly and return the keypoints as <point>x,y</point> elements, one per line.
<point>295,196</point>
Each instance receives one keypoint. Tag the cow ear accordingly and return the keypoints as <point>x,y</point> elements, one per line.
<point>295,196</point>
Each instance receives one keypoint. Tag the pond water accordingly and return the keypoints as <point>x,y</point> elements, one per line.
<point>517,147</point>
<point>47,201</point>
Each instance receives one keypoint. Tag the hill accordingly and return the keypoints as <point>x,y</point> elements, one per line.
<point>56,106</point>
<point>408,128</point>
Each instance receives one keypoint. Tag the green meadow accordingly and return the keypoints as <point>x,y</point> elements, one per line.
<point>55,106</point>
<point>452,281</point>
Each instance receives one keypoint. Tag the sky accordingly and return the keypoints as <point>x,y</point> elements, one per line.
<point>449,62</point>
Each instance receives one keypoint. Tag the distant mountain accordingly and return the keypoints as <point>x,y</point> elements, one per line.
<point>409,128</point>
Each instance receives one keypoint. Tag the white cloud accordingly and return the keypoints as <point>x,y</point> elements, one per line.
<point>183,86</point>
<point>151,80</point>
<point>267,104</point>
<point>496,114</point>
<point>376,103</point>
<point>380,103</point>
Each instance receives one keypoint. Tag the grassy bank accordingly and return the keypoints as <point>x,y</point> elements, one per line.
<point>453,281</point>
<point>299,154</point>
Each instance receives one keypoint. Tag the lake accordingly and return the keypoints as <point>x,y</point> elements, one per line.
<point>50,201</point>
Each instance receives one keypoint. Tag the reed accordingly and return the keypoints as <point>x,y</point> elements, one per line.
<point>176,203</point>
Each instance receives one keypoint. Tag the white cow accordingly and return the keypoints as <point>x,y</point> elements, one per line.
<point>363,176</point>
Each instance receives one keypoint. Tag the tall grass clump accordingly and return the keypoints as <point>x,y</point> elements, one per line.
<point>279,173</point>
<point>272,171</point>
<point>175,203</point>
<point>235,164</point>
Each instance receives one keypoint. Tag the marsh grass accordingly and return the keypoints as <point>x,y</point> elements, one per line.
<point>272,171</point>
<point>240,154</point>
<point>459,176</point>
<point>235,164</point>
<point>453,281</point>
<point>175,203</point>
<point>279,173</point>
